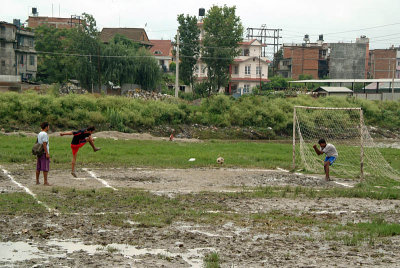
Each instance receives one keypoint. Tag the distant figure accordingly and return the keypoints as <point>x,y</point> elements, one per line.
<point>331,155</point>
<point>171,137</point>
<point>43,161</point>
<point>79,140</point>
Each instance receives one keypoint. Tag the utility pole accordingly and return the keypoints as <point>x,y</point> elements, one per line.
<point>394,72</point>
<point>177,66</point>
<point>98,66</point>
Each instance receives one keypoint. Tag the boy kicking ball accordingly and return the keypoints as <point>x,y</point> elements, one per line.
<point>331,155</point>
<point>79,140</point>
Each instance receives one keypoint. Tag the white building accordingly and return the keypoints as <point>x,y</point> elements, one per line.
<point>248,70</point>
<point>162,51</point>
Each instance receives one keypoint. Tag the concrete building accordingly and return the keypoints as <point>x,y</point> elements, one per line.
<point>162,51</point>
<point>17,53</point>
<point>305,58</point>
<point>349,60</point>
<point>383,63</point>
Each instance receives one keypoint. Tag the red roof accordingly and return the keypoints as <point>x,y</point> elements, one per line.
<point>162,47</point>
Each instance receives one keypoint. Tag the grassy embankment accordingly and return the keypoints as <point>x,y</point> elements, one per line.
<point>269,115</point>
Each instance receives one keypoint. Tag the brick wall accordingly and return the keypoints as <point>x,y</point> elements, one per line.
<point>383,62</point>
<point>60,23</point>
<point>304,60</point>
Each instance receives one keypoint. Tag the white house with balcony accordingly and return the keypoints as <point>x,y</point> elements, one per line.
<point>248,70</point>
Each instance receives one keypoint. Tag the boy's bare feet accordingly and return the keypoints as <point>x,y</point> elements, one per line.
<point>73,174</point>
<point>96,149</point>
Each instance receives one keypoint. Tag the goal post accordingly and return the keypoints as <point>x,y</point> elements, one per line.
<point>345,129</point>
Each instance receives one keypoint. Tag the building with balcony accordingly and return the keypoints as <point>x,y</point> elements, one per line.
<point>17,52</point>
<point>248,70</point>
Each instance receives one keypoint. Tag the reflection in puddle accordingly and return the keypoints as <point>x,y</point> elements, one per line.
<point>11,252</point>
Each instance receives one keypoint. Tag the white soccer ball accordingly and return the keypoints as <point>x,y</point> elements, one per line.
<point>220,160</point>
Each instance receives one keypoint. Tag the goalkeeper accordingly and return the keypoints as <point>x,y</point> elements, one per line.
<point>331,155</point>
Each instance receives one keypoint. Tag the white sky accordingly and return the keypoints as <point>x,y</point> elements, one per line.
<point>294,17</point>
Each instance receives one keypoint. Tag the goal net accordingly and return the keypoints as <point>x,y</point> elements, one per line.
<point>344,128</point>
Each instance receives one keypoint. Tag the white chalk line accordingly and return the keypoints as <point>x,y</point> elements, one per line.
<point>91,173</point>
<point>27,190</point>
<point>344,184</point>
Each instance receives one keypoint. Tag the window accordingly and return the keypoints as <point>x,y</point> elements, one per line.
<point>21,59</point>
<point>258,70</point>
<point>398,63</point>
<point>30,42</point>
<point>203,69</point>
<point>247,70</point>
<point>3,44</point>
<point>2,30</point>
<point>236,69</point>
<point>246,89</point>
<point>31,60</point>
<point>3,63</point>
<point>246,52</point>
<point>285,63</point>
<point>157,52</point>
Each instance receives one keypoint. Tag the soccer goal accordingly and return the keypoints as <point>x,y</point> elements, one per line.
<point>345,129</point>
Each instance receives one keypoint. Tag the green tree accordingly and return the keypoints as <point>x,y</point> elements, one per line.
<point>118,64</point>
<point>189,47</point>
<point>223,31</point>
<point>147,71</point>
<point>84,41</point>
<point>124,62</point>
<point>53,65</point>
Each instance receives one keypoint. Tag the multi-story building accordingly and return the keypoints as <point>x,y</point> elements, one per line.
<point>61,23</point>
<point>17,53</point>
<point>248,70</point>
<point>321,60</point>
<point>349,60</point>
<point>383,63</point>
<point>162,51</point>
<point>304,59</point>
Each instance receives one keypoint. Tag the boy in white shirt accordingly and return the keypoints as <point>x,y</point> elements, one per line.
<point>331,155</point>
<point>43,162</point>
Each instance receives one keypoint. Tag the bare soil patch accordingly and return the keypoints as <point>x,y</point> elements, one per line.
<point>82,239</point>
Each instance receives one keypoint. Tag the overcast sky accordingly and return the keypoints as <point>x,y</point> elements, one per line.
<point>338,20</point>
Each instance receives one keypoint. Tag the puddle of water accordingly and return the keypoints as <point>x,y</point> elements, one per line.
<point>17,251</point>
<point>11,252</point>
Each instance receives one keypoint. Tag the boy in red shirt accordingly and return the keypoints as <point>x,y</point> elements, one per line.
<point>79,140</point>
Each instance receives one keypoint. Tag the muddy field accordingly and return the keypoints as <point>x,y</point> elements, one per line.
<point>81,238</point>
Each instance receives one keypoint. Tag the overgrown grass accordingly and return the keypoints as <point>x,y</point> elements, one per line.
<point>212,260</point>
<point>391,190</point>
<point>28,110</point>
<point>19,203</point>
<point>353,234</point>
